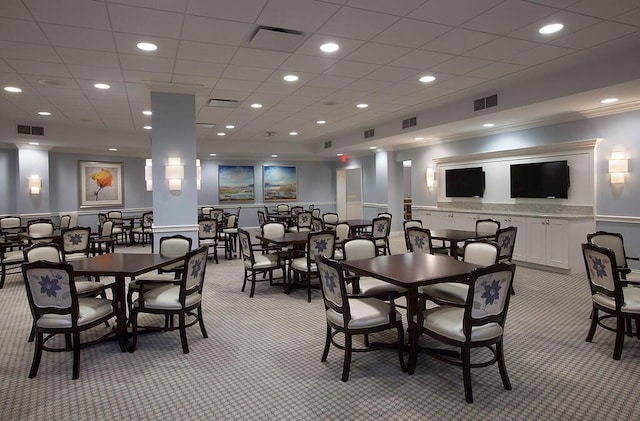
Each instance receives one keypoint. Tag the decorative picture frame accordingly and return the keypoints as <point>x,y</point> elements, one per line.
<point>236,183</point>
<point>100,184</point>
<point>280,183</point>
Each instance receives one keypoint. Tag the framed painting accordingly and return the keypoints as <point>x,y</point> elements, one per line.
<point>101,184</point>
<point>236,183</point>
<point>280,183</point>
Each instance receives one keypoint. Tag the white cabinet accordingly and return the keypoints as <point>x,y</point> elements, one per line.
<point>547,242</point>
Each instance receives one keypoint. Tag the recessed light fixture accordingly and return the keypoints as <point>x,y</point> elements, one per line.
<point>229,126</point>
<point>339,154</point>
<point>113,149</point>
<point>34,143</point>
<point>101,86</point>
<point>213,154</point>
<point>609,100</point>
<point>427,79</point>
<point>488,125</point>
<point>147,112</point>
<point>551,28</point>
<point>146,46</point>
<point>274,156</point>
<point>293,133</point>
<point>419,138</point>
<point>290,78</point>
<point>321,122</point>
<point>362,105</point>
<point>221,133</point>
<point>45,113</point>
<point>147,127</point>
<point>12,89</point>
<point>329,47</point>
<point>256,105</point>
<point>373,147</point>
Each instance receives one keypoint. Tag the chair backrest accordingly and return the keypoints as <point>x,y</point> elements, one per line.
<point>208,228</point>
<point>330,218</point>
<point>273,228</point>
<point>106,229</point>
<point>51,290</point>
<point>481,252</point>
<point>604,279</point>
<point>195,266</point>
<point>147,220</point>
<point>75,241</point>
<point>232,221</point>
<point>116,217</point>
<point>282,208</point>
<point>65,220</point>
<point>206,211</point>
<point>321,243</point>
<point>487,226</point>
<point>342,232</point>
<point>261,218</point>
<point>506,239</point>
<point>359,248</point>
<point>410,224</point>
<point>245,246</point>
<point>304,219</point>
<point>49,252</point>
<point>174,246</point>
<point>380,227</point>
<point>217,214</point>
<point>102,218</point>
<point>40,229</point>
<point>73,221</point>
<point>334,291</point>
<point>296,210</point>
<point>315,212</point>
<point>317,224</point>
<point>384,215</point>
<point>613,241</point>
<point>419,240</point>
<point>11,224</point>
<point>488,297</point>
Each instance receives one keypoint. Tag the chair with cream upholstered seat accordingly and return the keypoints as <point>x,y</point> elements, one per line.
<point>260,260</point>
<point>304,268</point>
<point>208,236</point>
<point>615,242</point>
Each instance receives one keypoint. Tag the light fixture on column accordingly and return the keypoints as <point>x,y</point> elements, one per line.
<point>430,178</point>
<point>174,173</point>
<point>35,184</point>
<point>148,174</point>
<point>198,174</point>
<point>618,166</point>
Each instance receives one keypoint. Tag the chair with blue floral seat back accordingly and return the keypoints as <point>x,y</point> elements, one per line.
<point>411,223</point>
<point>259,260</point>
<point>479,324</point>
<point>615,242</point>
<point>304,268</point>
<point>609,295</point>
<point>317,224</point>
<point>419,240</point>
<point>506,239</point>
<point>144,231</point>
<point>380,228</point>
<point>181,298</point>
<point>208,236</point>
<point>353,315</point>
<point>303,222</point>
<point>57,309</point>
<point>75,243</point>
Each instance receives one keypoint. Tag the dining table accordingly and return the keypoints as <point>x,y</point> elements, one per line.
<point>121,266</point>
<point>357,226</point>
<point>455,236</point>
<point>411,271</point>
<point>296,240</point>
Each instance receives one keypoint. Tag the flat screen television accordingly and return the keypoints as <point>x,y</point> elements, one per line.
<point>540,180</point>
<point>464,182</point>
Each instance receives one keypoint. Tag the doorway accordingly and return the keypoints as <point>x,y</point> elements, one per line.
<point>349,193</point>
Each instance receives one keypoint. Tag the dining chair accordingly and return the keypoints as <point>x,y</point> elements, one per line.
<point>40,229</point>
<point>75,243</point>
<point>103,238</point>
<point>380,228</point>
<point>57,309</point>
<point>610,295</point>
<point>261,217</point>
<point>330,220</point>
<point>259,260</point>
<point>419,240</point>
<point>615,242</point>
<point>181,298</point>
<point>479,324</point>
<point>351,315</point>
<point>282,209</point>
<point>118,230</point>
<point>65,220</point>
<point>303,222</point>
<point>317,224</point>
<point>11,257</point>
<point>315,212</point>
<point>208,236</point>
<point>411,223</point>
<point>10,227</point>
<point>506,239</point>
<point>229,235</point>
<point>483,227</point>
<point>144,231</point>
<point>205,211</point>
<point>343,231</point>
<point>304,268</point>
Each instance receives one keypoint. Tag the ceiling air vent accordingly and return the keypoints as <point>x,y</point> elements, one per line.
<point>269,134</point>
<point>369,133</point>
<point>327,144</point>
<point>223,103</point>
<point>486,102</point>
<point>277,39</point>
<point>30,130</point>
<point>409,122</point>
<point>206,125</point>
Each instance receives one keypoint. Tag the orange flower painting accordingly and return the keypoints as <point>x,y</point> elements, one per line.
<point>103,178</point>
<point>101,184</point>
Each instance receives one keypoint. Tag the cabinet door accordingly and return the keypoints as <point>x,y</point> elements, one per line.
<point>557,243</point>
<point>536,241</point>
<point>465,221</point>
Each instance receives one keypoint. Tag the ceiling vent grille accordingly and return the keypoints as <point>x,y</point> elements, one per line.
<point>369,133</point>
<point>223,103</point>
<point>30,130</point>
<point>327,144</point>
<point>277,39</point>
<point>486,102</point>
<point>409,122</point>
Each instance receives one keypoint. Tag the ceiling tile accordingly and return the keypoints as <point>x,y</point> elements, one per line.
<point>539,54</point>
<point>351,69</point>
<point>495,70</point>
<point>220,31</point>
<point>259,58</point>
<point>556,3</point>
<point>572,22</point>
<point>4,67</point>
<point>508,16</point>
<point>200,51</point>
<point>461,65</point>
<point>421,60</point>
<point>411,33</point>
<point>300,15</point>
<point>237,10</point>
<point>377,53</point>
<point>29,67</point>
<point>95,74</point>
<point>451,12</point>
<point>312,46</point>
<point>14,9</point>
<point>146,63</point>
<point>500,48</point>
<point>395,7</point>
<point>198,68</point>
<point>391,74</point>
<point>136,20</point>
<point>89,39</point>
<point>368,85</point>
<point>21,31</point>
<point>594,35</point>
<point>461,82</point>
<point>88,57</point>
<point>327,81</point>
<point>603,9</point>
<point>24,51</point>
<point>127,44</point>
<point>309,64</point>
<point>314,91</point>
<point>278,87</point>
<point>247,73</point>
<point>630,18</point>
<point>86,14</point>
<point>204,81</point>
<point>246,86</point>
<point>356,23</point>
<point>168,5</point>
<point>458,41</point>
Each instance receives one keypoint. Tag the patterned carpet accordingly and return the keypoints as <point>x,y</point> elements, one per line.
<point>262,361</point>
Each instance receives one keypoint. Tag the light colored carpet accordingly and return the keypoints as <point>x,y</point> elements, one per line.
<point>262,361</point>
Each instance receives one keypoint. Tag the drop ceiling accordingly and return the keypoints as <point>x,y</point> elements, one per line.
<point>56,50</point>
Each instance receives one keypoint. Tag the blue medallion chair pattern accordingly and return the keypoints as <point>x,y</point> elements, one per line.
<point>412,223</point>
<point>75,243</point>
<point>352,315</point>
<point>304,268</point>
<point>419,240</point>
<point>479,324</point>
<point>615,242</point>
<point>261,260</point>
<point>57,309</point>
<point>144,232</point>
<point>317,224</point>
<point>303,222</point>
<point>380,228</point>
<point>208,236</point>
<point>609,295</point>
<point>181,298</point>
<point>506,239</point>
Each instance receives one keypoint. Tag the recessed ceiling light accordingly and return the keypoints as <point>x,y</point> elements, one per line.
<point>373,147</point>
<point>213,154</point>
<point>362,105</point>
<point>427,79</point>
<point>293,133</point>
<point>147,112</point>
<point>609,100</point>
<point>339,154</point>
<point>147,46</point>
<point>551,28</point>
<point>147,127</point>
<point>113,149</point>
<point>256,105</point>
<point>101,86</point>
<point>221,133</point>
<point>45,113</point>
<point>290,78</point>
<point>321,121</point>
<point>274,156</point>
<point>229,126</point>
<point>419,138</point>
<point>330,47</point>
<point>34,143</point>
<point>488,125</point>
<point>12,89</point>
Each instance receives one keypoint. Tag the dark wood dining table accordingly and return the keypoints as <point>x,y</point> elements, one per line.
<point>411,271</point>
<point>55,237</point>
<point>455,236</point>
<point>121,266</point>
<point>357,226</point>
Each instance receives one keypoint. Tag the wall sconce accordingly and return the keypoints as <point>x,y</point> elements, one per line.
<point>198,174</point>
<point>430,178</point>
<point>174,173</point>
<point>148,176</point>
<point>618,166</point>
<point>35,184</point>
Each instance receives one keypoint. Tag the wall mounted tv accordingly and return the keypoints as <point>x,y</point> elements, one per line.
<point>540,180</point>
<point>464,182</point>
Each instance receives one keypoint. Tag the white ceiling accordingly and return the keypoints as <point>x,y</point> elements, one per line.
<point>56,50</point>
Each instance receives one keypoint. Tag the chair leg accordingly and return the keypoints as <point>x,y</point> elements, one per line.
<point>594,324</point>
<point>183,333</point>
<point>466,374</point>
<point>403,366</point>
<point>502,367</point>
<point>253,284</point>
<point>620,332</point>
<point>133,318</point>
<point>244,283</point>
<point>76,355</point>
<point>37,355</point>
<point>201,322</point>
<point>2,277</point>
<point>347,357</point>
<point>327,344</point>
<point>32,334</point>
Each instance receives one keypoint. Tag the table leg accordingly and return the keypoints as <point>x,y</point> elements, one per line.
<point>412,328</point>
<point>121,314</point>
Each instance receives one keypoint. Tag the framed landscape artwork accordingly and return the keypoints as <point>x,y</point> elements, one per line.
<point>101,183</point>
<point>235,183</point>
<point>280,183</point>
